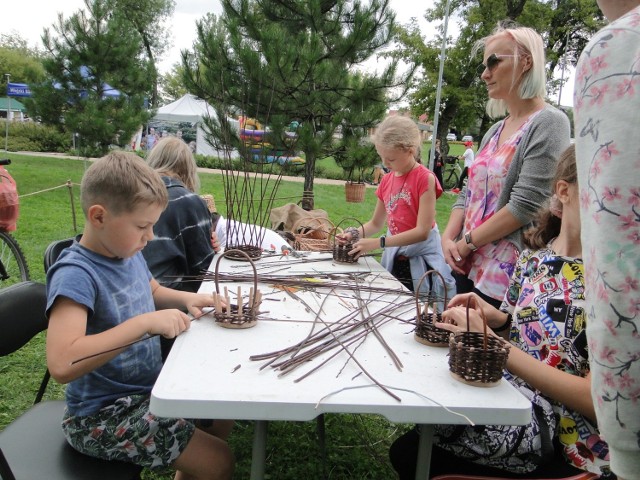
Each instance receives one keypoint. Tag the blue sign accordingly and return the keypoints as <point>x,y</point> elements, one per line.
<point>18,90</point>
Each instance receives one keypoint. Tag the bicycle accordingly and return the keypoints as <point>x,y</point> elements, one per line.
<point>13,264</point>
<point>452,172</point>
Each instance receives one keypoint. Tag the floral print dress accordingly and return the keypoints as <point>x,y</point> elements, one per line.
<point>490,267</point>
<point>607,102</point>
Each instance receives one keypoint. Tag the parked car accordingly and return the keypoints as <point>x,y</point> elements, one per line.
<point>467,138</point>
<point>451,137</point>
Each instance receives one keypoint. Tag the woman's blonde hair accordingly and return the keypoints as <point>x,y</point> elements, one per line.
<point>547,222</point>
<point>398,132</point>
<point>172,157</point>
<point>527,42</point>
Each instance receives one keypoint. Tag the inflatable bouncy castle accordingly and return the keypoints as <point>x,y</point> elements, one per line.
<point>254,135</point>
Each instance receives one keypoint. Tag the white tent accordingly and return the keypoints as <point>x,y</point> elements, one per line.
<point>191,109</point>
<point>185,109</point>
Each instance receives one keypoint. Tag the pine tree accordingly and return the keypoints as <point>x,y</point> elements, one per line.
<point>296,60</point>
<point>93,57</point>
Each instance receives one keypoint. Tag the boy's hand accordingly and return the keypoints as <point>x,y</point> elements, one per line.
<point>169,323</point>
<point>200,300</point>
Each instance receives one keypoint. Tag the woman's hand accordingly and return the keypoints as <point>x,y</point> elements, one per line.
<point>453,255</point>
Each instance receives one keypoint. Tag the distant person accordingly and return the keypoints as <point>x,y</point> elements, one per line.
<point>468,157</point>
<point>102,300</point>
<point>607,101</point>
<point>510,177</point>
<point>151,138</point>
<point>438,163</point>
<point>406,202</point>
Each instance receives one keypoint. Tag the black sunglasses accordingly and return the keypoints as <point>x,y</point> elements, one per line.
<point>492,62</point>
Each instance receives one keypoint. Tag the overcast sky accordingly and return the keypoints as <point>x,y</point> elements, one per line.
<point>31,17</point>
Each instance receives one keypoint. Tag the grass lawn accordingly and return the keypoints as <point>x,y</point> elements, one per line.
<point>357,445</point>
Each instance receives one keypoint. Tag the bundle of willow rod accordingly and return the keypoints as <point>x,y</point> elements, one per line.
<point>349,331</point>
<point>304,281</point>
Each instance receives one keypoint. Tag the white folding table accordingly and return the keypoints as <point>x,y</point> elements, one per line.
<point>209,373</point>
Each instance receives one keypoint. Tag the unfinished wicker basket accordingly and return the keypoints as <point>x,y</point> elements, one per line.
<point>241,314</point>
<point>426,332</point>
<point>476,358</point>
<point>341,250</point>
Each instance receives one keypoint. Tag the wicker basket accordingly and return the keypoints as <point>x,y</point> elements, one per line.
<point>426,332</point>
<point>312,234</point>
<point>341,250</point>
<point>476,358</point>
<point>241,314</point>
<point>354,192</point>
<point>211,203</point>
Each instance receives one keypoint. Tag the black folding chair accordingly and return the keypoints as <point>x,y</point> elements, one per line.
<point>33,446</point>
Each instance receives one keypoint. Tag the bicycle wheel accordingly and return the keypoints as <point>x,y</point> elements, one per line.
<point>450,179</point>
<point>13,265</point>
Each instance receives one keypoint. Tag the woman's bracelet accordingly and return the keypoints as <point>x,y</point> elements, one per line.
<point>506,325</point>
<point>355,233</point>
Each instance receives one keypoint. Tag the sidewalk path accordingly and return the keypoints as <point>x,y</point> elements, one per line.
<point>316,180</point>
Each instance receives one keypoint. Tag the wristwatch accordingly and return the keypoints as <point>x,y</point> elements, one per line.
<point>383,241</point>
<point>467,239</point>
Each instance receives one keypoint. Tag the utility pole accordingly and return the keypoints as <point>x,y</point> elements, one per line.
<point>6,134</point>
<point>436,114</point>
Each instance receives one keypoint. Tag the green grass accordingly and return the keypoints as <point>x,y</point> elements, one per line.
<point>356,445</point>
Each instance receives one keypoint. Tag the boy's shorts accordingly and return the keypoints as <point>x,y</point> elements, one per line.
<point>128,432</point>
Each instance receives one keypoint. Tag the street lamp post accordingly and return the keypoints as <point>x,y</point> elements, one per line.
<point>436,116</point>
<point>6,134</point>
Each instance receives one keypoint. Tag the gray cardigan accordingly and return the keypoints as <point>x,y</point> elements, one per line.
<point>528,181</point>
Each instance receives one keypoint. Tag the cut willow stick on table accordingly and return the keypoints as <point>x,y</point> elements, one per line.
<point>346,334</point>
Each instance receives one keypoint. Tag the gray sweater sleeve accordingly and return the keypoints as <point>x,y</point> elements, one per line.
<point>528,181</point>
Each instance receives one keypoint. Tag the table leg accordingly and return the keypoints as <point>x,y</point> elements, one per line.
<point>424,452</point>
<point>259,449</point>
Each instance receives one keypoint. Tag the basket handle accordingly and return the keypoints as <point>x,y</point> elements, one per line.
<point>484,321</point>
<point>336,229</point>
<point>255,273</point>
<point>428,273</point>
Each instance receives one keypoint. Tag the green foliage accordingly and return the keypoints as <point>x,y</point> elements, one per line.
<point>90,52</point>
<point>34,137</point>
<point>16,58</point>
<point>284,61</point>
<point>565,27</point>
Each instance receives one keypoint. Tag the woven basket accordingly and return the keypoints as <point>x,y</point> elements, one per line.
<point>354,192</point>
<point>211,203</point>
<point>341,250</point>
<point>240,314</point>
<point>426,332</point>
<point>476,358</point>
<point>312,234</point>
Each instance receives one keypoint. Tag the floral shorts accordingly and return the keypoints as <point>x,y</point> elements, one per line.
<point>128,432</point>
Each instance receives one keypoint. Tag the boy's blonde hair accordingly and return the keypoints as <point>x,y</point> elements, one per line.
<point>398,132</point>
<point>173,158</point>
<point>527,42</point>
<point>121,182</point>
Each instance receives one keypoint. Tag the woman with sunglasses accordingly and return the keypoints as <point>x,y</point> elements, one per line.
<point>510,177</point>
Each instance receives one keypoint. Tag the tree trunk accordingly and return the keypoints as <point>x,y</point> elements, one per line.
<point>309,174</point>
